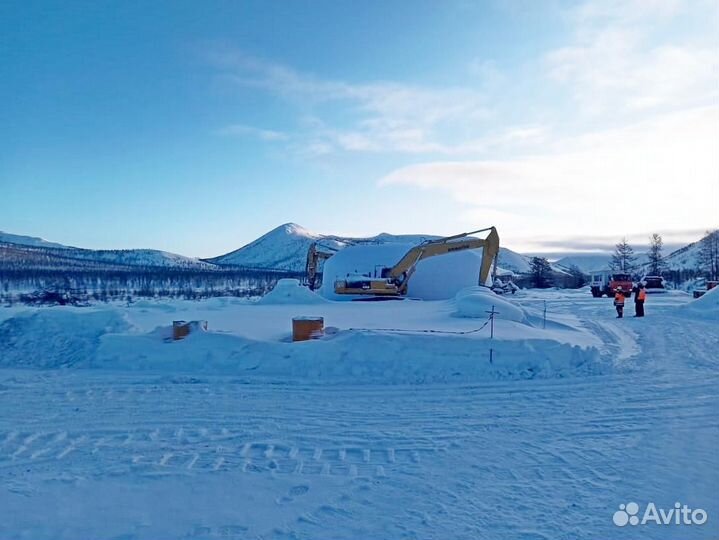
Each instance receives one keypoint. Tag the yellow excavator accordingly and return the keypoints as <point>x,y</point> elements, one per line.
<point>395,280</point>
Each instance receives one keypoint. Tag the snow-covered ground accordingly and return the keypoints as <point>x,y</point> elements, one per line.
<point>396,425</point>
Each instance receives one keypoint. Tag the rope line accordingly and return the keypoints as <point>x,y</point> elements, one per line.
<point>423,331</point>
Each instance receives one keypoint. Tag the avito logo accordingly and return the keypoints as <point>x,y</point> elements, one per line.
<point>628,514</point>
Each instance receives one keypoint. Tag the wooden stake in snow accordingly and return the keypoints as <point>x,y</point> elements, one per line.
<point>491,332</point>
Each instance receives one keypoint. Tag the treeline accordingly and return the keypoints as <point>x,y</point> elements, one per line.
<point>84,285</point>
<point>71,257</point>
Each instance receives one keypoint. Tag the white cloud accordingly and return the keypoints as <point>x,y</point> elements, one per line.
<point>379,116</point>
<point>658,174</point>
<point>624,57</point>
<point>624,11</point>
<point>639,133</point>
<point>244,130</point>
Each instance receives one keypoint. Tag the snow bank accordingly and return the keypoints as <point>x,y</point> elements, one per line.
<point>289,291</point>
<point>377,342</point>
<point>436,278</point>
<point>351,356</point>
<point>56,338</point>
<point>476,302</point>
<point>706,305</point>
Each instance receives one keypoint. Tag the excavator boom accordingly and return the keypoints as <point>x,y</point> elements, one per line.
<point>395,280</point>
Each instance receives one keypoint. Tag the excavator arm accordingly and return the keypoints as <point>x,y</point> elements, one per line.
<point>403,270</point>
<point>395,280</point>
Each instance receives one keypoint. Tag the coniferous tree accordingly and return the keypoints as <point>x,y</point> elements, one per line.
<point>540,272</point>
<point>709,254</point>
<point>656,260</point>
<point>623,258</point>
<point>580,279</point>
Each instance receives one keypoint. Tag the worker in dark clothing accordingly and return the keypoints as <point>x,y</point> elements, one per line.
<point>619,302</point>
<point>639,297</point>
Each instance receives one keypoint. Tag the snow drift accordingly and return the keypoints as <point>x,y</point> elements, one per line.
<point>706,305</point>
<point>56,338</point>
<point>289,291</point>
<point>350,356</point>
<point>477,302</point>
<point>252,341</point>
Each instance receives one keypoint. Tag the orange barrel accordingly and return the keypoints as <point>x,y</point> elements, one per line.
<point>180,329</point>
<point>304,328</point>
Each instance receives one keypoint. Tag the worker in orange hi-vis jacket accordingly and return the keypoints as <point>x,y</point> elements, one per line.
<point>639,297</point>
<point>619,302</point>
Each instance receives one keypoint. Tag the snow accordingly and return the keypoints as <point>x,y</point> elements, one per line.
<point>381,343</point>
<point>435,278</point>
<point>476,302</point>
<point>586,262</point>
<point>687,257</point>
<point>46,255</point>
<point>27,240</point>
<point>56,338</point>
<point>391,427</point>
<point>706,305</point>
<point>285,247</point>
<point>289,291</point>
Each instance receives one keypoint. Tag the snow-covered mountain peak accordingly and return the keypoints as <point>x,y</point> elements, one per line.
<point>295,230</point>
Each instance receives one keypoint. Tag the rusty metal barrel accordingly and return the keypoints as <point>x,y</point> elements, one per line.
<point>181,329</point>
<point>305,328</point>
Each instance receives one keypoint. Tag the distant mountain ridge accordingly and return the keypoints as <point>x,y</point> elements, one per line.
<point>27,241</point>
<point>283,248</point>
<point>684,258</point>
<point>30,252</point>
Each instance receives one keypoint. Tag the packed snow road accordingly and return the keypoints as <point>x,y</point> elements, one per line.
<point>98,454</point>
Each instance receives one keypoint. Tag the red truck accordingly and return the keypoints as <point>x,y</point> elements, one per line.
<point>602,283</point>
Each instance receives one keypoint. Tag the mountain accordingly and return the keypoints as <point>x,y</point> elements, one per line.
<point>27,240</point>
<point>511,260</point>
<point>285,247</point>
<point>29,252</point>
<point>686,258</point>
<point>586,262</point>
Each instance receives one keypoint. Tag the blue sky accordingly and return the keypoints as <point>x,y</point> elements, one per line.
<point>195,127</point>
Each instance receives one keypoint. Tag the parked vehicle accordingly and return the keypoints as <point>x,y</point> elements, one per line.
<point>606,283</point>
<point>700,289</point>
<point>654,284</point>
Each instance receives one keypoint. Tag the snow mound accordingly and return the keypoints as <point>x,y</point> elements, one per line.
<point>350,357</point>
<point>476,302</point>
<point>56,338</point>
<point>706,305</point>
<point>436,278</point>
<point>289,291</point>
